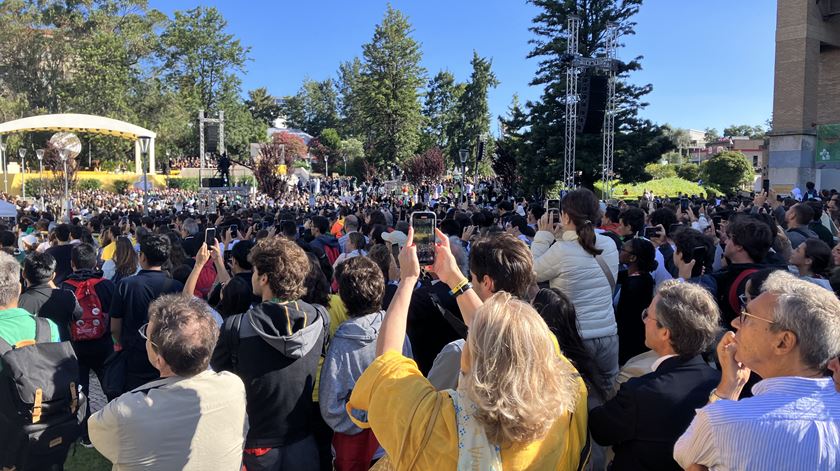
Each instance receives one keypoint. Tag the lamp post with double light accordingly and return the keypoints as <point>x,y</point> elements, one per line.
<point>22,154</point>
<point>463,154</point>
<point>64,154</point>
<point>144,151</point>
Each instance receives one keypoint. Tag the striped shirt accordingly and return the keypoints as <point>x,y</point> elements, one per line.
<point>790,423</point>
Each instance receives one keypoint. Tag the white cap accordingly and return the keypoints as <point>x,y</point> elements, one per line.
<point>396,237</point>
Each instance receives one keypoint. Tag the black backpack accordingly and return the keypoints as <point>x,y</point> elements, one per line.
<point>41,408</point>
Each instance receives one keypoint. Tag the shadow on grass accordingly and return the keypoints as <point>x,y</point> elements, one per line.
<point>85,459</point>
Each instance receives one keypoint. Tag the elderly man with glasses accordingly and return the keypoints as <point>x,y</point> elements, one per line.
<point>787,335</point>
<point>191,418</point>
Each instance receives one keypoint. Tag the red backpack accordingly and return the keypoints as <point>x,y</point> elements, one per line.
<point>94,323</point>
<point>332,253</point>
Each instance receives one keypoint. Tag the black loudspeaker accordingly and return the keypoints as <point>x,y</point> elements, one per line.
<point>212,182</point>
<point>211,137</point>
<point>593,101</point>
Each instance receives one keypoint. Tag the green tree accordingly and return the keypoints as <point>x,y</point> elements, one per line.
<point>314,107</point>
<point>262,105</point>
<point>658,171</point>
<point>689,171</point>
<point>727,171</point>
<point>199,58</point>
<point>472,113</point>
<point>350,108</point>
<point>390,78</point>
<point>752,132</point>
<point>711,135</point>
<point>637,141</point>
<point>440,107</point>
<point>510,157</point>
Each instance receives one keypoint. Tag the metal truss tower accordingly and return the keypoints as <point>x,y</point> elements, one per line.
<point>609,113</point>
<point>571,115</point>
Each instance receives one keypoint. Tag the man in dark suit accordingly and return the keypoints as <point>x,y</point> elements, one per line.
<point>649,413</point>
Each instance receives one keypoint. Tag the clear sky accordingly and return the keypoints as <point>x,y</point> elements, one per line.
<point>710,62</point>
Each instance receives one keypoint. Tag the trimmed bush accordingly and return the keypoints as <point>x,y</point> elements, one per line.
<point>89,184</point>
<point>660,187</point>
<point>121,186</point>
<point>189,184</point>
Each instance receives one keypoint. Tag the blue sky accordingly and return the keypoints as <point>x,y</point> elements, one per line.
<point>710,62</point>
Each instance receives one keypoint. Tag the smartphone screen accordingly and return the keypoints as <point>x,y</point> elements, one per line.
<point>554,215</point>
<point>684,204</point>
<point>553,204</point>
<point>423,223</point>
<point>210,237</point>
<point>765,185</point>
<point>675,227</point>
<point>651,232</point>
<point>698,254</point>
<point>233,230</point>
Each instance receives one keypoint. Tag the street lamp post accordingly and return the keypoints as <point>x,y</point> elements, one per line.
<point>463,154</point>
<point>144,151</point>
<point>327,166</point>
<point>22,154</point>
<point>345,165</point>
<point>64,154</point>
<point>40,154</point>
<point>3,162</point>
<point>167,168</point>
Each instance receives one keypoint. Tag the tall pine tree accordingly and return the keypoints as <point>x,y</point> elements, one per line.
<point>473,111</point>
<point>637,141</point>
<point>440,108</point>
<point>390,80</point>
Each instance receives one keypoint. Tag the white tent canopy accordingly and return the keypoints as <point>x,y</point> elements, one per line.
<point>82,123</point>
<point>8,210</point>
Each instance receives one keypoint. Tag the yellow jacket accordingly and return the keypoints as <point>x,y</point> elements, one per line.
<point>394,399</point>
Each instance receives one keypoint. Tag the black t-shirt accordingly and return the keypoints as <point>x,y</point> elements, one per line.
<point>132,299</point>
<point>61,253</point>
<point>54,304</point>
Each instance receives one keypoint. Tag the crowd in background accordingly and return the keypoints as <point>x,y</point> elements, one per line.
<point>301,332</point>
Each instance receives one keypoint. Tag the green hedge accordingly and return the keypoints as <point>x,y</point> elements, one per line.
<point>89,184</point>
<point>189,184</point>
<point>121,186</point>
<point>660,187</point>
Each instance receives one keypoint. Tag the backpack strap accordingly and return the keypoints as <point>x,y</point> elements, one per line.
<point>43,331</point>
<point>232,337</point>
<point>457,324</point>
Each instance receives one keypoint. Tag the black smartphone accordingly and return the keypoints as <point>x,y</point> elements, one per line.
<point>717,220</point>
<point>234,230</point>
<point>698,254</point>
<point>554,215</point>
<point>684,204</point>
<point>424,223</point>
<point>652,232</point>
<point>765,186</point>
<point>210,237</point>
<point>552,204</point>
<point>675,227</point>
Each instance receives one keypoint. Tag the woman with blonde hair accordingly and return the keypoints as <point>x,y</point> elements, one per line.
<point>520,405</point>
<point>124,262</point>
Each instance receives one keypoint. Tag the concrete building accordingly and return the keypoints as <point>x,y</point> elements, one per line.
<point>806,92</point>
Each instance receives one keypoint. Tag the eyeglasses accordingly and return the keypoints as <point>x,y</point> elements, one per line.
<point>144,334</point>
<point>744,300</point>
<point>744,314</point>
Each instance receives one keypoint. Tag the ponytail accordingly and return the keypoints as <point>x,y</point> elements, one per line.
<point>581,207</point>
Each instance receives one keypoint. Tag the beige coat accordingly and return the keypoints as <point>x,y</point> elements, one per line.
<point>175,423</point>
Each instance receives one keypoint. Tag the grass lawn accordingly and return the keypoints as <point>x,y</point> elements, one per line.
<point>85,459</point>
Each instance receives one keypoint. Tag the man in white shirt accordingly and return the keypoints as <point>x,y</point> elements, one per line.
<point>190,419</point>
<point>787,335</point>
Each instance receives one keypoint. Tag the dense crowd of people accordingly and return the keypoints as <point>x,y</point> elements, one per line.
<point>301,332</point>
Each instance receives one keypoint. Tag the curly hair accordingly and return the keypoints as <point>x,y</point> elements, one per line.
<point>284,263</point>
<point>517,379</point>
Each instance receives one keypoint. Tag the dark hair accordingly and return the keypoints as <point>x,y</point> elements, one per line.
<point>62,232</point>
<point>125,258</point>
<point>817,208</point>
<point>687,239</point>
<point>803,213</point>
<point>317,285</point>
<point>38,268</point>
<point>560,316</point>
<point>289,229</point>
<point>284,263</point>
<point>537,211</point>
<point>581,206</point>
<point>520,223</point>
<point>321,223</point>
<point>382,257</point>
<point>751,234</point>
<point>183,333</point>
<point>177,255</point>
<point>820,254</point>
<point>633,217</point>
<point>664,216</point>
<point>450,227</point>
<point>506,260</point>
<point>83,257</point>
<point>77,232</point>
<point>756,281</point>
<point>156,248</point>
<point>358,240</point>
<point>236,296</point>
<point>8,239</point>
<point>612,213</point>
<point>360,286</point>
<point>240,251</point>
<point>645,254</point>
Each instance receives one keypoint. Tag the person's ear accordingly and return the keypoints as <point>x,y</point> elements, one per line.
<point>785,342</point>
<point>488,284</point>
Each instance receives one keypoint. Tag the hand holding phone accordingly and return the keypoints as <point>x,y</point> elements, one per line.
<point>424,223</point>
<point>210,237</point>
